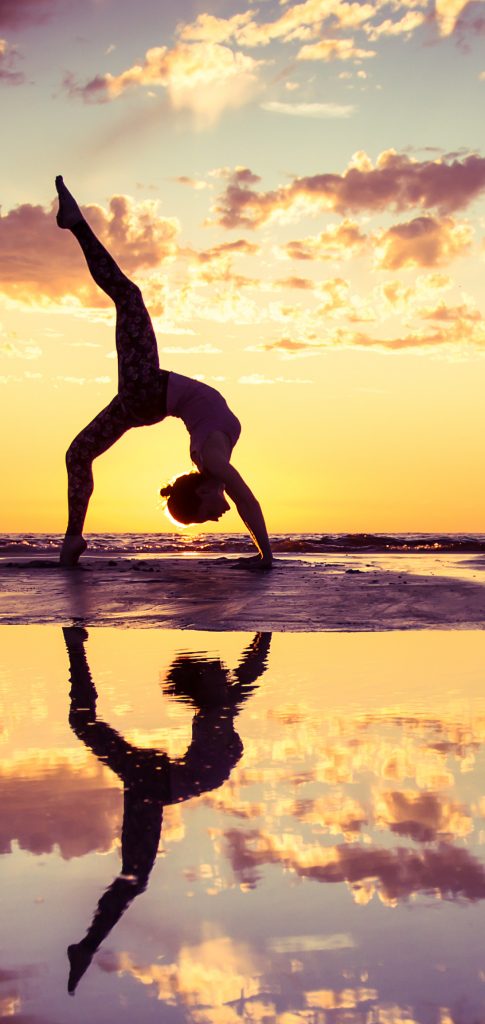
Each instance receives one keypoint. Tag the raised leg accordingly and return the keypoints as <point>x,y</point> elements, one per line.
<point>136,344</point>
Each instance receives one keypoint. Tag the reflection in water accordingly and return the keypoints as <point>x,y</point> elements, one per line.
<point>150,778</point>
<point>336,877</point>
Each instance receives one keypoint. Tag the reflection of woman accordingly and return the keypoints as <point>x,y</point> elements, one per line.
<point>150,778</point>
<point>147,394</point>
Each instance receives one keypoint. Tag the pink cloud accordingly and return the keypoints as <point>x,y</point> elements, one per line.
<point>38,261</point>
<point>396,183</point>
<point>339,241</point>
<point>423,242</point>
<point>241,246</point>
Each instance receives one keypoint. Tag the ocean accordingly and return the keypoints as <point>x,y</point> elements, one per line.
<point>236,543</point>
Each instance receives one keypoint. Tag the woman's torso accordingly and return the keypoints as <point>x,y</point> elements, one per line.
<point>202,409</point>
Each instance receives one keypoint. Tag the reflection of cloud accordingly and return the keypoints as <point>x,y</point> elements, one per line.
<point>396,182</point>
<point>212,974</point>
<point>311,943</point>
<point>421,816</point>
<point>59,800</point>
<point>447,871</point>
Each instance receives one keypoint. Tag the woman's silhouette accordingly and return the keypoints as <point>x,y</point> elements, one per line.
<point>147,394</point>
<point>150,778</point>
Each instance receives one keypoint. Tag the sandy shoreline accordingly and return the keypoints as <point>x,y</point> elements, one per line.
<point>210,594</point>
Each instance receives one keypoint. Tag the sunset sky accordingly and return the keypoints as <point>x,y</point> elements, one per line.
<point>299,189</point>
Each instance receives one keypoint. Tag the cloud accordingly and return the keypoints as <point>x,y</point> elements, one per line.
<point>396,182</point>
<point>239,247</point>
<point>8,57</point>
<point>452,314</point>
<point>196,183</point>
<point>40,263</point>
<point>191,350</point>
<point>255,378</point>
<point>300,283</point>
<point>258,378</point>
<point>319,110</point>
<point>15,351</point>
<point>447,13</point>
<point>299,22</point>
<point>422,242</point>
<point>205,78</point>
<point>339,241</point>
<point>334,49</point>
<point>407,25</point>
<point>209,29</point>
<point>454,331</point>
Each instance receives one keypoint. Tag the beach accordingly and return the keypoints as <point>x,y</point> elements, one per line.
<point>336,592</point>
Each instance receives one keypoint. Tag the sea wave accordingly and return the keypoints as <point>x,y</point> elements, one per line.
<point>237,543</point>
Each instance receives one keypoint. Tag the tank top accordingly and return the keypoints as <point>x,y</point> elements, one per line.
<point>202,409</point>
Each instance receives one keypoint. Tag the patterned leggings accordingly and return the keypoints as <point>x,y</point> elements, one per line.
<point>141,383</point>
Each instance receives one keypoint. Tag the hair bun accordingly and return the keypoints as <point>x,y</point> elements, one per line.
<point>166,491</point>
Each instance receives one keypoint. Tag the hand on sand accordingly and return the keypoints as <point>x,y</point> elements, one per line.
<point>69,212</point>
<point>71,551</point>
<point>256,563</point>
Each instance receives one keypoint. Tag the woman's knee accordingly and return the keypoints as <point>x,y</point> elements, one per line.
<point>77,454</point>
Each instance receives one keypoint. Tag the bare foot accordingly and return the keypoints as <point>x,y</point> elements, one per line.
<point>71,551</point>
<point>69,212</point>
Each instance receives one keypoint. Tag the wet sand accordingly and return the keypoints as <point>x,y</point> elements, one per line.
<point>212,594</point>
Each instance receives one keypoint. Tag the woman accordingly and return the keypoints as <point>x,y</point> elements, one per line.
<point>147,394</point>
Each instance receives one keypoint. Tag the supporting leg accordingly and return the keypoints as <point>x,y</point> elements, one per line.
<point>107,427</point>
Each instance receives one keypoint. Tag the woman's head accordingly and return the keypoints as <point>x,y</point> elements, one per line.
<point>195,498</point>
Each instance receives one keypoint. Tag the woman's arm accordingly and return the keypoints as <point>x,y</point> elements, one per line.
<point>216,463</point>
